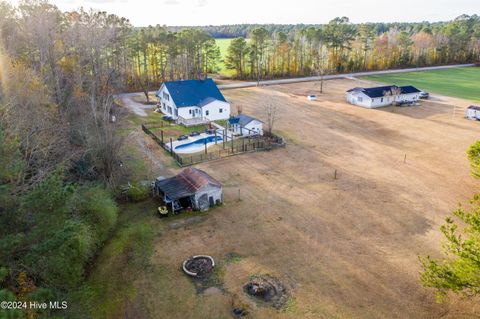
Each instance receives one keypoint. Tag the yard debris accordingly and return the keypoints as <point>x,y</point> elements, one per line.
<point>267,289</point>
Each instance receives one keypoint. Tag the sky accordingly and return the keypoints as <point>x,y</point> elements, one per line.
<point>215,12</point>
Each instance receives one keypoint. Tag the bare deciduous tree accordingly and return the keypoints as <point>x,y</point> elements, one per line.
<point>270,109</point>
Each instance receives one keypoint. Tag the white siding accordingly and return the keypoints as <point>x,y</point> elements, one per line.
<point>167,106</point>
<point>189,112</point>
<point>216,110</point>
<point>359,98</point>
<point>255,126</point>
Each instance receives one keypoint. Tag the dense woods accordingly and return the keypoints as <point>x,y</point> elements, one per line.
<point>340,46</point>
<point>60,154</point>
<point>272,51</point>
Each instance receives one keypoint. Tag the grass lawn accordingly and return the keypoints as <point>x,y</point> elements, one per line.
<point>109,287</point>
<point>462,82</point>
<point>223,44</point>
<point>174,131</point>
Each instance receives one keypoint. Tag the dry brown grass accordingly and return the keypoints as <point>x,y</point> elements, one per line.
<point>345,248</point>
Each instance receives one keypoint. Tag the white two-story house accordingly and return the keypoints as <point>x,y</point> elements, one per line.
<point>193,102</point>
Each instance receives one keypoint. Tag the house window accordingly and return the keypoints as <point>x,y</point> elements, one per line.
<point>190,111</point>
<point>360,99</point>
<point>207,112</point>
<point>166,96</point>
<point>381,100</point>
<point>220,111</point>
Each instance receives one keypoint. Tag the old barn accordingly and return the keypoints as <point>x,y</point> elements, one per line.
<point>191,189</point>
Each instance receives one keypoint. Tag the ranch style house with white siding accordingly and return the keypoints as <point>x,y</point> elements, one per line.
<point>382,96</point>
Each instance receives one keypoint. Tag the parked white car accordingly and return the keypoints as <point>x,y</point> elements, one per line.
<point>312,97</point>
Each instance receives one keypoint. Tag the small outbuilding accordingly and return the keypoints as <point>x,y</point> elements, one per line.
<point>245,125</point>
<point>473,112</point>
<point>191,189</point>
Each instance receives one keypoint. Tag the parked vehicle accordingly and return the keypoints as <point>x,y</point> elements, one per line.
<point>424,95</point>
<point>182,137</point>
<point>312,97</point>
<point>194,133</point>
<point>404,103</point>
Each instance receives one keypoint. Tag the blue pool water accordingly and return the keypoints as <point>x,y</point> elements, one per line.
<point>201,141</point>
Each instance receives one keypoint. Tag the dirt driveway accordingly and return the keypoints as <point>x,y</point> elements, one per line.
<point>129,100</point>
<point>345,247</point>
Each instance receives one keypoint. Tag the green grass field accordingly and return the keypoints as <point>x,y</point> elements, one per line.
<point>462,82</point>
<point>223,44</point>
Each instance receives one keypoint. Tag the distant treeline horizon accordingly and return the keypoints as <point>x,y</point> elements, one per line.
<point>228,31</point>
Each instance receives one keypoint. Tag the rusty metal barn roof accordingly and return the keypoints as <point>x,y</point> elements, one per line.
<point>185,184</point>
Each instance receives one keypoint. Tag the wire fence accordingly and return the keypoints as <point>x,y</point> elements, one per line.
<point>233,147</point>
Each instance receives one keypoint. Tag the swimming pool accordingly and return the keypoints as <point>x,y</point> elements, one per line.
<point>199,142</point>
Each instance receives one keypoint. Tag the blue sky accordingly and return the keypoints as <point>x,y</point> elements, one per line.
<point>206,12</point>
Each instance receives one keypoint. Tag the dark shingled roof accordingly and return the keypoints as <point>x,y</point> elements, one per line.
<point>380,91</point>
<point>185,184</point>
<point>242,119</point>
<point>193,92</point>
<point>474,107</point>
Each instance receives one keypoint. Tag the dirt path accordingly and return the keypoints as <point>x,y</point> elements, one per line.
<point>128,100</point>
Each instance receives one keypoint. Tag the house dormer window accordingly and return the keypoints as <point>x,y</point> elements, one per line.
<point>166,96</point>
<point>220,110</point>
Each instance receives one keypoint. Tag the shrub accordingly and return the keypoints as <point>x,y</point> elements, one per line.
<point>95,206</point>
<point>61,259</point>
<point>138,192</point>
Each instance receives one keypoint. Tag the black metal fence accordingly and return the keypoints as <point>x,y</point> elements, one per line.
<point>230,148</point>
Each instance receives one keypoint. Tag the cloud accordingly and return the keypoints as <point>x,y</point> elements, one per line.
<point>171,2</point>
<point>104,1</point>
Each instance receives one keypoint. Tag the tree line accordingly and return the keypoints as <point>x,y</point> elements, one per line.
<point>341,46</point>
<point>60,151</point>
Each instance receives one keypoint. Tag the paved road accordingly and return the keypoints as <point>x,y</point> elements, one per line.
<point>127,100</point>
<point>335,76</point>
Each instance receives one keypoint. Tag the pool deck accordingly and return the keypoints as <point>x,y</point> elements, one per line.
<point>192,148</point>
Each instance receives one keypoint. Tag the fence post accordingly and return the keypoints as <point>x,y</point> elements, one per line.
<point>205,141</point>
<point>215,136</point>
<point>171,146</point>
<point>224,137</point>
<point>161,133</point>
<point>243,144</point>
<point>232,143</point>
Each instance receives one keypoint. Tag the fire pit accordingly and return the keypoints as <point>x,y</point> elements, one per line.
<point>200,266</point>
<point>267,289</point>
